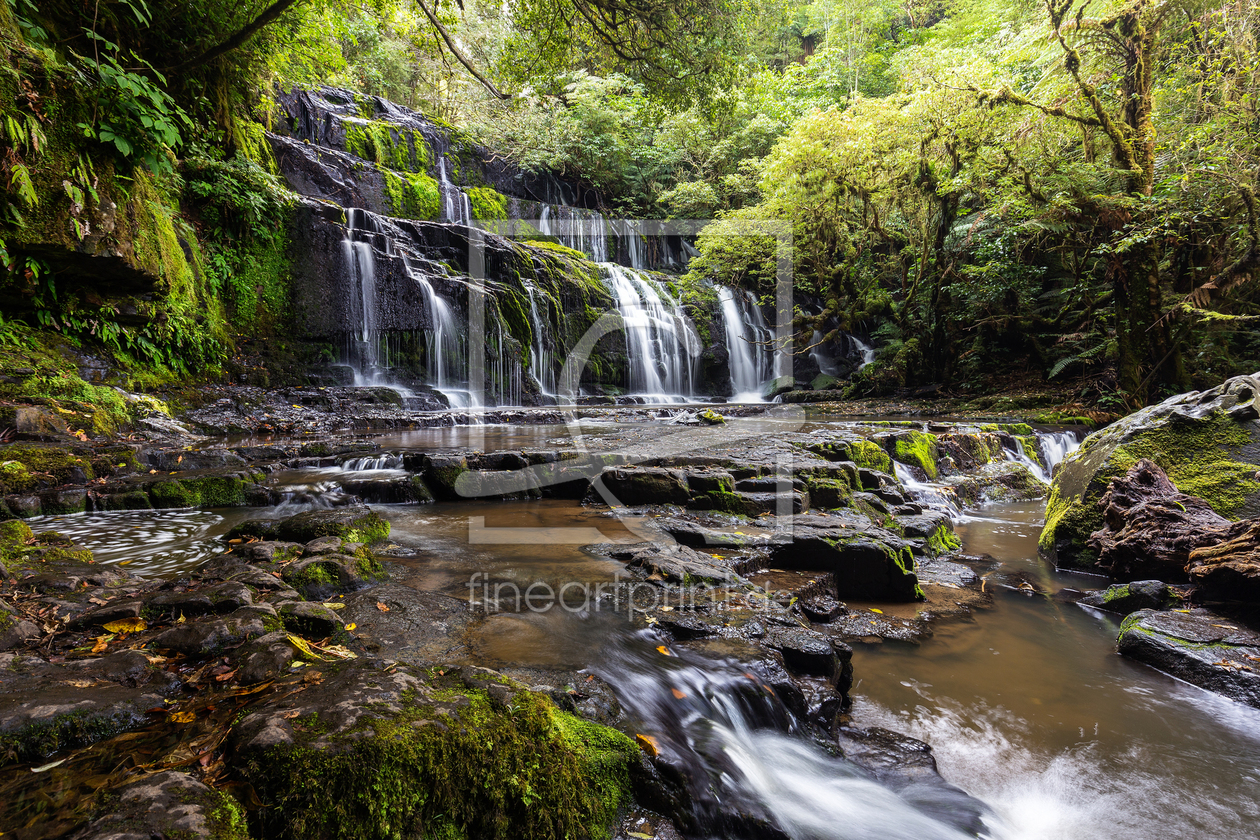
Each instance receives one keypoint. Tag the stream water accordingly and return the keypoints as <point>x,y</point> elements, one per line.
<point>1026,705</point>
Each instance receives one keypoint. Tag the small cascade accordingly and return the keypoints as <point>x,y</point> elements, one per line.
<point>745,757</point>
<point>1055,446</point>
<point>747,343</point>
<point>361,266</point>
<point>456,206</point>
<point>312,495</point>
<point>661,342</point>
<point>861,350</point>
<point>822,358</point>
<point>504,368</point>
<point>934,496</point>
<point>630,232</point>
<point>581,230</point>
<point>542,363</point>
<point>372,463</point>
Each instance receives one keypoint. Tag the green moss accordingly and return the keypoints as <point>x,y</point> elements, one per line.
<point>556,247</point>
<point>1115,593</point>
<point>59,465</point>
<point>1017,429</point>
<point>487,203</point>
<point>916,449</point>
<point>412,195</point>
<point>173,494</point>
<point>867,453</point>
<point>943,540</point>
<point>1198,458</point>
<point>40,739</point>
<point>829,493</point>
<point>482,770</point>
<point>14,536</point>
<point>226,818</point>
<point>15,478</point>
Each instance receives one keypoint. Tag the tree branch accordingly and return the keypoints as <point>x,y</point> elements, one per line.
<point>459,55</point>
<point>268,15</point>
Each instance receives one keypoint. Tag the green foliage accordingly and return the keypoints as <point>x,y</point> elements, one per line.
<point>487,203</point>
<point>413,195</point>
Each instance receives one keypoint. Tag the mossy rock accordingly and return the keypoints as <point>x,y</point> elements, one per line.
<point>354,523</point>
<point>14,536</point>
<point>1207,442</point>
<point>915,449</point>
<point>411,753</point>
<point>47,466</point>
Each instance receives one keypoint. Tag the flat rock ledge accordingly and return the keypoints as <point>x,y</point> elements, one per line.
<point>1198,646</point>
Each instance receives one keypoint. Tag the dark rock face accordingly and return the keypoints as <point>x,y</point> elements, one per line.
<point>1200,647</point>
<point>1151,527</point>
<point>868,563</point>
<point>354,522</point>
<point>1230,569</point>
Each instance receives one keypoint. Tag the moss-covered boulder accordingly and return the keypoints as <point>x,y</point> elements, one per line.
<point>1198,646</point>
<point>27,466</point>
<point>915,449</point>
<point>1207,442</point>
<point>168,804</point>
<point>866,562</point>
<point>380,751</point>
<point>353,523</point>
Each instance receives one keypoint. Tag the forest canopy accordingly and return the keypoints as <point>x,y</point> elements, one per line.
<point>1059,190</point>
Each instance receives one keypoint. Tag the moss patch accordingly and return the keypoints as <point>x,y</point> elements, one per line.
<point>486,770</point>
<point>917,449</point>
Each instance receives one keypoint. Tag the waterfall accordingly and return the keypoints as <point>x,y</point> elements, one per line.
<point>746,336</point>
<point>581,230</point>
<point>661,343</point>
<point>1055,446</point>
<point>736,744</point>
<point>542,367</point>
<point>456,206</point>
<point>934,496</point>
<point>826,364</point>
<point>863,350</point>
<point>445,349</point>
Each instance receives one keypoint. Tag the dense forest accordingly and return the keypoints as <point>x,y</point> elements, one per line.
<point>998,195</point>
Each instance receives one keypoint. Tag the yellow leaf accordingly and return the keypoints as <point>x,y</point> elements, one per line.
<point>102,642</point>
<point>182,717</point>
<point>351,626</point>
<point>881,612</point>
<point>648,744</point>
<point>664,650</point>
<point>333,605</point>
<point>126,625</point>
<point>124,562</point>
<point>380,605</point>
<point>304,647</point>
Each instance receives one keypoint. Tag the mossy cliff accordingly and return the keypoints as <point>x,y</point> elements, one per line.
<point>1207,442</point>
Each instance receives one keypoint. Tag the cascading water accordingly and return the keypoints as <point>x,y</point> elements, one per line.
<point>864,351</point>
<point>661,343</point>
<point>742,753</point>
<point>747,337</point>
<point>1055,446</point>
<point>542,366</point>
<point>361,266</point>
<point>445,351</point>
<point>581,230</point>
<point>456,206</point>
<point>825,363</point>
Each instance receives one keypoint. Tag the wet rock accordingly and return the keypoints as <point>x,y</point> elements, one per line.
<point>695,535</point>
<point>806,652</point>
<point>313,620</point>
<point>1207,442</point>
<point>907,766</point>
<point>822,608</point>
<point>207,636</point>
<point>166,806</point>
<point>777,387</point>
<point>674,563</point>
<point>324,574</point>
<point>223,597</point>
<point>687,625</point>
<point>868,564</point>
<point>266,657</point>
<point>322,545</point>
<point>1198,646</point>
<point>113,611</point>
<point>45,708</point>
<point>646,485</point>
<point>15,631</point>
<point>272,551</point>
<point>1150,527</point>
<point>1125,598</point>
<point>415,626</point>
<point>1230,569</point>
<point>355,523</point>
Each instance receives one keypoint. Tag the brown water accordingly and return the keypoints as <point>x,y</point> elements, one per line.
<point>1031,709</point>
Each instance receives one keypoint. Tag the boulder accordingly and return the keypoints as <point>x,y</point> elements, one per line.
<point>868,563</point>
<point>646,485</point>
<point>354,523</point>
<point>168,805</point>
<point>777,387</point>
<point>1207,442</point>
<point>1126,598</point>
<point>1149,527</point>
<point>1198,646</point>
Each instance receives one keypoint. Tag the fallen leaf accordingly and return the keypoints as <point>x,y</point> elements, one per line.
<point>678,695</point>
<point>102,642</point>
<point>97,601</point>
<point>304,647</point>
<point>667,608</point>
<point>333,605</point>
<point>648,744</point>
<point>225,677</point>
<point>124,562</point>
<point>874,610</point>
<point>382,606</point>
<point>663,649</point>
<point>126,625</point>
<point>351,626</point>
<point>182,717</point>
<point>42,768</point>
